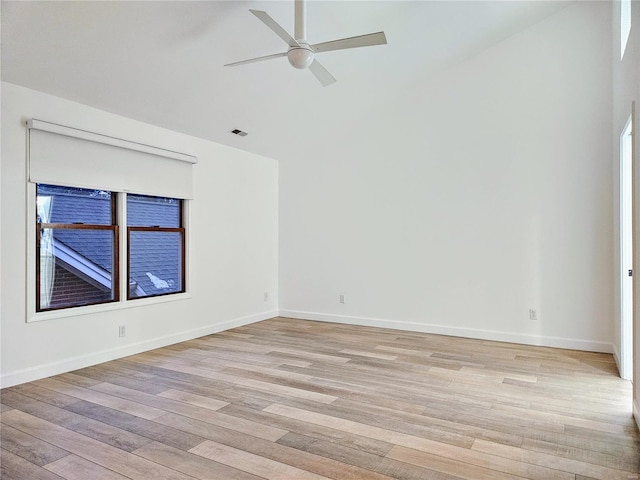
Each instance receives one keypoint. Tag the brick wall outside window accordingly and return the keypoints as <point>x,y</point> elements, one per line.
<point>70,289</point>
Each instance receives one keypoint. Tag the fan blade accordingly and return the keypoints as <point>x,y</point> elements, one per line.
<point>275,27</point>
<point>351,42</point>
<point>257,59</point>
<point>321,73</point>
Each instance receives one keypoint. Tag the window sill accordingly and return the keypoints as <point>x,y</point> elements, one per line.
<point>105,307</point>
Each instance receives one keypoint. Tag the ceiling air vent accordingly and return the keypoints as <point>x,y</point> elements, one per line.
<point>239,132</point>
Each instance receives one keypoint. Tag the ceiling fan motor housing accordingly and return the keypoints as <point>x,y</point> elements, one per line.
<point>301,55</point>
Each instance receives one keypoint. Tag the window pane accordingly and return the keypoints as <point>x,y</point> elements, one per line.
<point>155,263</point>
<point>147,211</point>
<point>625,25</point>
<point>76,267</point>
<point>73,205</point>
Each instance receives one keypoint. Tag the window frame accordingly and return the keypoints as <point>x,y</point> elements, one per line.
<point>158,229</point>
<point>52,314</point>
<point>115,275</point>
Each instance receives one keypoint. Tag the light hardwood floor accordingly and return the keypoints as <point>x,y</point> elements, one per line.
<point>292,399</point>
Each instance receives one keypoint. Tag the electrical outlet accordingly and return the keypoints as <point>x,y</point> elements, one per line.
<point>343,298</point>
<point>266,296</point>
<point>122,331</point>
<point>533,314</point>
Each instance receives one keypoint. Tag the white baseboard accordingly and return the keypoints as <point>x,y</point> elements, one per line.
<point>41,371</point>
<point>636,412</point>
<point>616,357</point>
<point>82,361</point>
<point>526,339</point>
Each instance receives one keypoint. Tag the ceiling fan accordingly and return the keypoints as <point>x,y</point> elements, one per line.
<point>301,54</point>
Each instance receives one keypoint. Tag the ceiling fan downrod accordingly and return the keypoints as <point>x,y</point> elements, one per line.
<point>300,20</point>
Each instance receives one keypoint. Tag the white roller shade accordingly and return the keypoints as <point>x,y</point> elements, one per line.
<point>68,156</point>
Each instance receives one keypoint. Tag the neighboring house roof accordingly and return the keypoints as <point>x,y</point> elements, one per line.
<point>153,255</point>
<point>80,266</point>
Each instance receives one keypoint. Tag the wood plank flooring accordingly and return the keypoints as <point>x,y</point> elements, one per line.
<point>300,400</point>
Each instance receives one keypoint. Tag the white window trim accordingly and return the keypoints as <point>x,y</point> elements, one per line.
<point>123,303</point>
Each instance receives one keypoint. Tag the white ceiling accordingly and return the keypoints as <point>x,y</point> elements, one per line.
<point>162,62</point>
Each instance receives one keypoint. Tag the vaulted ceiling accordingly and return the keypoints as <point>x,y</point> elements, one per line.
<point>162,62</point>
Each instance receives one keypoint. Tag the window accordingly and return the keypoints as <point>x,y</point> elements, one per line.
<point>93,245</point>
<point>625,25</point>
<point>155,237</point>
<point>76,247</point>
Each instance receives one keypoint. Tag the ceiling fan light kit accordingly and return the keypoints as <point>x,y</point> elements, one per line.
<point>300,53</point>
<point>300,56</point>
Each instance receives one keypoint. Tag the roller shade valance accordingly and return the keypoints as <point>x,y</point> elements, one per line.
<point>61,155</point>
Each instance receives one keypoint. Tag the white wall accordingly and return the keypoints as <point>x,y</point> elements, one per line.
<point>626,89</point>
<point>233,246</point>
<point>469,199</point>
